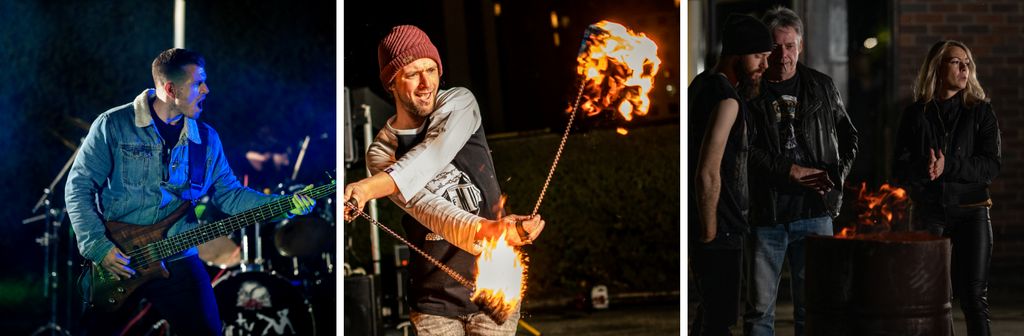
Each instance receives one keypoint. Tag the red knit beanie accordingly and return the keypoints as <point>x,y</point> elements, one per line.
<point>402,46</point>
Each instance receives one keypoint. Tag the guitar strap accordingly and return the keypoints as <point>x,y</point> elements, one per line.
<point>197,164</point>
<point>196,169</point>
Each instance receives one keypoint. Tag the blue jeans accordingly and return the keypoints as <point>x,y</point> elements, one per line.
<point>765,249</point>
<point>475,324</point>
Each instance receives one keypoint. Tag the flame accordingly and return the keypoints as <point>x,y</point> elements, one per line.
<point>878,210</point>
<point>622,131</point>
<point>619,67</point>
<point>500,275</point>
<point>501,271</point>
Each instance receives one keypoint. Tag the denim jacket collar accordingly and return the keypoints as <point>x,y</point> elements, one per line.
<point>144,119</point>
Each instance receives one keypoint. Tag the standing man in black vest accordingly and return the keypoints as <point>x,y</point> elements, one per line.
<point>718,161</point>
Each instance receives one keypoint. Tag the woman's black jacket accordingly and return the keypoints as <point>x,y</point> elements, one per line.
<point>969,139</point>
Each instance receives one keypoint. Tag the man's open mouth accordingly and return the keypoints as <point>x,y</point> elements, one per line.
<point>425,96</point>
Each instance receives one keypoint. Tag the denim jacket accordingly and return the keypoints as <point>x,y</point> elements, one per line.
<point>123,161</point>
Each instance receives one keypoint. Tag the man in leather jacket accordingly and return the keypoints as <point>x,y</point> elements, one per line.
<point>802,149</point>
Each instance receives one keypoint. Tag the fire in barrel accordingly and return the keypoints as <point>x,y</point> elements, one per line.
<point>878,283</point>
<point>878,212</point>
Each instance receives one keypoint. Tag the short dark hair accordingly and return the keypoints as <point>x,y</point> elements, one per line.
<point>170,65</point>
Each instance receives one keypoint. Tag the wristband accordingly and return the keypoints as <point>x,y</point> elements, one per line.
<point>523,235</point>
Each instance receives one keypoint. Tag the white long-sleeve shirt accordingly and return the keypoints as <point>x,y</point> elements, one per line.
<point>428,183</point>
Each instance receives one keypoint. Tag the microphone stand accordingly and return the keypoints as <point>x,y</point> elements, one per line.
<point>49,241</point>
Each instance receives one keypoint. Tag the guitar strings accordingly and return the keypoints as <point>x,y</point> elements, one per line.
<point>171,245</point>
<point>163,248</point>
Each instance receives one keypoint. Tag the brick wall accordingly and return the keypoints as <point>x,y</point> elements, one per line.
<point>994,31</point>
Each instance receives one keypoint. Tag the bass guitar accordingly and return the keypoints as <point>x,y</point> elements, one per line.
<point>148,245</point>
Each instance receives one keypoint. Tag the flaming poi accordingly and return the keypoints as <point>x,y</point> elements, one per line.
<point>501,280</point>
<point>619,66</point>
<point>501,276</point>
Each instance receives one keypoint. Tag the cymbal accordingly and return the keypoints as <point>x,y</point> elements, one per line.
<point>303,236</point>
<point>218,252</point>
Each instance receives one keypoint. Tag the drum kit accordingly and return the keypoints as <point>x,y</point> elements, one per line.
<point>268,284</point>
<point>300,248</point>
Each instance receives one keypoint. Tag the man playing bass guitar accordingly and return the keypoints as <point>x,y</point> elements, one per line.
<point>144,163</point>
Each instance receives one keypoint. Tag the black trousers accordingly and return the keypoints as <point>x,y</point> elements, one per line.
<point>970,230</point>
<point>185,300</point>
<point>716,273</point>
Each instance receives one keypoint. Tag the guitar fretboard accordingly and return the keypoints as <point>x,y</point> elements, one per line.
<point>194,237</point>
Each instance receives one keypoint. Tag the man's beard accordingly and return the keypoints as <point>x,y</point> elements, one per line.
<point>412,108</point>
<point>749,87</point>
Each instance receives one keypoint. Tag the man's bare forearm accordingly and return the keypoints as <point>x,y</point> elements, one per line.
<point>709,188</point>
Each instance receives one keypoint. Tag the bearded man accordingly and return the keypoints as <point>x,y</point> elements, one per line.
<point>718,162</point>
<point>433,161</point>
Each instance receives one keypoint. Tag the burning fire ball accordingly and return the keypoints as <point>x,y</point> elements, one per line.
<point>500,280</point>
<point>619,66</point>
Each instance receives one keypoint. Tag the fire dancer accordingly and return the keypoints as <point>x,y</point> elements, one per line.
<point>947,153</point>
<point>804,146</point>
<point>135,162</point>
<point>432,160</point>
<point>718,120</point>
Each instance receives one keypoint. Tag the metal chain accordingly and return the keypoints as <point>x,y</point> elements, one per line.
<point>471,286</point>
<point>560,147</point>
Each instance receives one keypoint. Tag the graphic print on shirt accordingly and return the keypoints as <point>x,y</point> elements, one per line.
<point>785,115</point>
<point>456,187</point>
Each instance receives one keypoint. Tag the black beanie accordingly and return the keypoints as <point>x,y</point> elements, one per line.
<point>743,34</point>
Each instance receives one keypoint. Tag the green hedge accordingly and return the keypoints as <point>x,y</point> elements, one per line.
<point>612,210</point>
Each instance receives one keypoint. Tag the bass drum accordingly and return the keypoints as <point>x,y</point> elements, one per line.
<point>254,303</point>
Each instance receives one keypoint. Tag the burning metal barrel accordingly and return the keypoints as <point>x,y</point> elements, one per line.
<point>878,284</point>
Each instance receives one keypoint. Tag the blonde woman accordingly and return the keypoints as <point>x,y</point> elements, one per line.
<point>947,153</point>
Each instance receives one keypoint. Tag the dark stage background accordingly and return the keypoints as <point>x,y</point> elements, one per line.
<point>65,62</point>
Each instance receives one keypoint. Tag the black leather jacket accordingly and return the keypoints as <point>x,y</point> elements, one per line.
<point>969,141</point>
<point>829,138</point>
